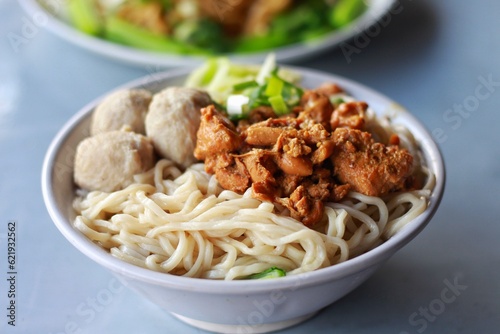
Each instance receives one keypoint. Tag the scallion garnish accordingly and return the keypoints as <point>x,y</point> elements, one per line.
<point>272,272</point>
<point>278,104</point>
<point>245,85</point>
<point>275,92</point>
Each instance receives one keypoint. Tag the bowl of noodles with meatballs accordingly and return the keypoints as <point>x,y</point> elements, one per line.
<point>233,196</point>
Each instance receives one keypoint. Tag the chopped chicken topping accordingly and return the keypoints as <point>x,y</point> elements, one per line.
<point>314,155</point>
<point>370,168</point>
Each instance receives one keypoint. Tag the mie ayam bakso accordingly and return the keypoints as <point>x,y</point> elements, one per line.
<point>266,175</point>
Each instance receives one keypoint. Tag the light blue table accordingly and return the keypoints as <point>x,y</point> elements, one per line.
<point>440,59</point>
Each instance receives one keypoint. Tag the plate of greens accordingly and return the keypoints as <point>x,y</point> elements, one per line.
<point>169,33</point>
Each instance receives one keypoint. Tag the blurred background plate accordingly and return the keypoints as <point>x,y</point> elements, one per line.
<point>50,16</point>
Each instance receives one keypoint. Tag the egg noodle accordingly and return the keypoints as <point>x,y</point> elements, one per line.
<point>184,223</point>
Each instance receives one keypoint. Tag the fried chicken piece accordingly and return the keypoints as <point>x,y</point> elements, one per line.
<point>317,107</point>
<point>261,167</point>
<point>313,133</point>
<point>322,185</point>
<point>267,133</point>
<point>323,151</point>
<point>247,17</point>
<point>148,15</point>
<point>261,114</point>
<point>370,168</point>
<point>261,13</point>
<point>298,162</point>
<point>216,140</point>
<point>215,135</point>
<point>303,207</point>
<point>328,89</point>
<point>304,197</point>
<point>232,15</point>
<point>289,164</point>
<point>349,115</point>
<point>232,173</point>
<point>262,135</point>
<point>291,143</point>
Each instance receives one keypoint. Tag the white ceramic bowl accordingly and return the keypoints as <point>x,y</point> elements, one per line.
<point>49,16</point>
<point>234,306</point>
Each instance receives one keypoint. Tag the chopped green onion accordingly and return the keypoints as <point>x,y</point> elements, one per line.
<point>337,101</point>
<point>228,83</point>
<point>237,118</point>
<point>211,68</point>
<point>272,272</point>
<point>274,86</point>
<point>257,98</point>
<point>292,94</point>
<point>280,94</point>
<point>245,85</point>
<point>278,104</point>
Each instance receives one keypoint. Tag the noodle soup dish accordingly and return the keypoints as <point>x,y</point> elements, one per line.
<point>230,186</point>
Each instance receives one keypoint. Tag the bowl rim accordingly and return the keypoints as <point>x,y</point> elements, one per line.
<point>371,258</point>
<point>288,53</point>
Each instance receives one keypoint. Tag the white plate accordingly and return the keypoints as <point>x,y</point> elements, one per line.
<point>376,10</point>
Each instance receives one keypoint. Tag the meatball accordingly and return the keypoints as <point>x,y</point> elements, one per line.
<point>122,108</point>
<point>173,120</point>
<point>108,161</point>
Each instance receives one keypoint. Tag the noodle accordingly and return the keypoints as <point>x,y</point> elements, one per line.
<point>185,224</point>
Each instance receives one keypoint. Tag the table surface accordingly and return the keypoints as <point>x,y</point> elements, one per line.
<point>440,59</point>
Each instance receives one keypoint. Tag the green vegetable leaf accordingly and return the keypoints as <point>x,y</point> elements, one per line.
<point>245,85</point>
<point>121,31</point>
<point>85,16</point>
<point>202,33</point>
<point>280,94</point>
<point>272,272</point>
<point>274,86</point>
<point>346,11</point>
